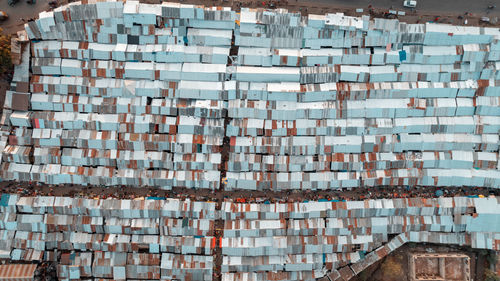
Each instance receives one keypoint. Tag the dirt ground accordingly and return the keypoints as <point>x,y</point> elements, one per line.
<point>395,267</point>
<point>454,269</point>
<point>424,6</point>
<point>128,192</point>
<point>426,267</point>
<point>448,15</point>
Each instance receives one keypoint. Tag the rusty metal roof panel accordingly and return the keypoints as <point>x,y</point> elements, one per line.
<point>19,272</point>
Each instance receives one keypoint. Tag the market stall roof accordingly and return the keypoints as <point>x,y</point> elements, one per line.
<point>17,272</point>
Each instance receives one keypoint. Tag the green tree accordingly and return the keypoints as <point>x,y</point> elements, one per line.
<point>490,275</point>
<point>6,66</point>
<point>392,269</point>
<point>491,257</point>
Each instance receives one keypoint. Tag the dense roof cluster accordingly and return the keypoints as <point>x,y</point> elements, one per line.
<point>123,93</point>
<point>111,239</point>
<point>172,239</point>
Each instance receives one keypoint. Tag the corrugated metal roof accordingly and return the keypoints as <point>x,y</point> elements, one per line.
<point>134,94</point>
<point>18,272</point>
<point>308,238</point>
<point>400,75</point>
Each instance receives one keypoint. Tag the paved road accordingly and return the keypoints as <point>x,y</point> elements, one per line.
<point>432,6</point>
<point>20,10</point>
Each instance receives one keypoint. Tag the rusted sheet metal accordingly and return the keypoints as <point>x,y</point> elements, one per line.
<point>17,272</point>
